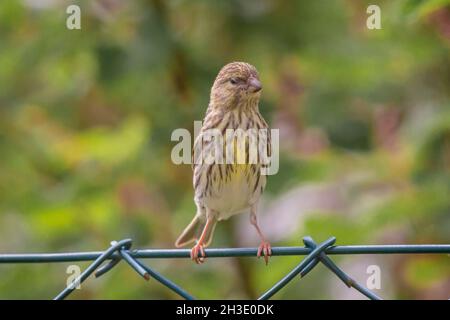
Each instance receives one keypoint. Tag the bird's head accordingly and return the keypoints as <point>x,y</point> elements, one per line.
<point>236,85</point>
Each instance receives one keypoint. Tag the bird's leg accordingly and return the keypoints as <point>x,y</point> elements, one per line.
<point>264,247</point>
<point>199,246</point>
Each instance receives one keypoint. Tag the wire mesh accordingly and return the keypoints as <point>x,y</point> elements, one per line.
<point>315,253</point>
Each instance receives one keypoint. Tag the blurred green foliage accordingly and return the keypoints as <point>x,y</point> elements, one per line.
<point>86,117</point>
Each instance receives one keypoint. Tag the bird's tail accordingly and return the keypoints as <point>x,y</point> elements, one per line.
<point>194,230</point>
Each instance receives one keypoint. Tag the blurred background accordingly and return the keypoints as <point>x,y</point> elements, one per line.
<point>86,118</point>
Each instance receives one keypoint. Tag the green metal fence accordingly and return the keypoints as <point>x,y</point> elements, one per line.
<point>315,253</point>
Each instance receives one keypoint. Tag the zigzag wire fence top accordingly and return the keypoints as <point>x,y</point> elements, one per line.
<point>103,261</point>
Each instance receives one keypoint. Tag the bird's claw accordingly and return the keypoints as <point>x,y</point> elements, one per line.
<point>198,248</point>
<point>266,249</point>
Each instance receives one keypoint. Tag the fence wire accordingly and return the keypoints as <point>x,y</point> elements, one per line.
<point>104,261</point>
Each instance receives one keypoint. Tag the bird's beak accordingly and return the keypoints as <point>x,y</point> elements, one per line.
<point>254,84</point>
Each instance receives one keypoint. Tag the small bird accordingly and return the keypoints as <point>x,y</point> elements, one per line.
<point>225,189</point>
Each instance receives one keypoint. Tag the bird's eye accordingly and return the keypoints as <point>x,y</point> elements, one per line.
<point>234,80</point>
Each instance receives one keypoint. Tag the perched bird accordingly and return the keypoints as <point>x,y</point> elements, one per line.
<point>225,189</point>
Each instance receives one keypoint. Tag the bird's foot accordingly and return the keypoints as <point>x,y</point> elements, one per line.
<point>266,249</point>
<point>198,248</point>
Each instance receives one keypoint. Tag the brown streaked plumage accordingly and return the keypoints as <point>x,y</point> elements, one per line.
<point>225,189</point>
